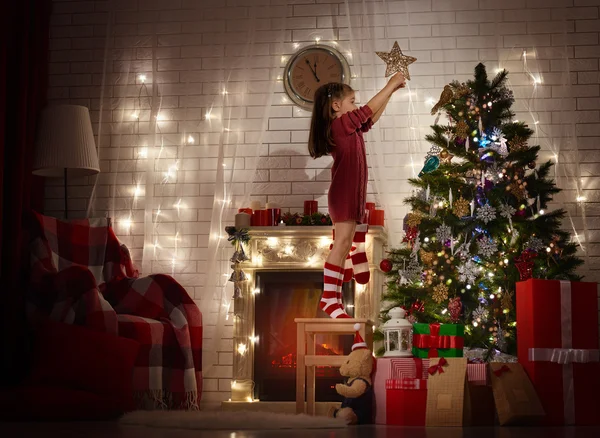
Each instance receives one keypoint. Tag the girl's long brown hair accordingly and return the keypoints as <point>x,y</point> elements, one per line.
<point>319,140</point>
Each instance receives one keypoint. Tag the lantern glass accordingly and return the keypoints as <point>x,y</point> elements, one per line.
<point>398,334</point>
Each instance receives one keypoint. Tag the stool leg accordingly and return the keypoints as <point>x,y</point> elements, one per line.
<point>310,376</point>
<point>300,368</point>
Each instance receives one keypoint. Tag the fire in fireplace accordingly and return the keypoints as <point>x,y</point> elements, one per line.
<point>284,296</point>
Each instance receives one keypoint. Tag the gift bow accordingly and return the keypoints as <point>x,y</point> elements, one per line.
<point>501,370</point>
<point>433,341</point>
<point>439,367</point>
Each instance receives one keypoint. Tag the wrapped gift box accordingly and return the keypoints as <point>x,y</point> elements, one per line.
<point>480,409</point>
<point>446,391</point>
<point>557,333</point>
<point>438,340</point>
<point>406,400</point>
<point>477,374</point>
<point>396,370</point>
<point>515,397</point>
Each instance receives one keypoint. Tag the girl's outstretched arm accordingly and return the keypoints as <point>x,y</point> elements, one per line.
<point>381,99</point>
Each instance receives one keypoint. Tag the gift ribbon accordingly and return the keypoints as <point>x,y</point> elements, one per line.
<point>439,367</point>
<point>433,341</point>
<point>566,355</point>
<point>501,370</point>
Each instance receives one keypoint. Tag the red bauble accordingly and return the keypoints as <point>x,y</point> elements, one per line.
<point>385,265</point>
<point>455,308</point>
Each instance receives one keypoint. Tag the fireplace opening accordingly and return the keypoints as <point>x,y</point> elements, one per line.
<point>283,297</point>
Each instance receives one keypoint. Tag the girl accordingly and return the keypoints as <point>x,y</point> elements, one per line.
<point>337,128</point>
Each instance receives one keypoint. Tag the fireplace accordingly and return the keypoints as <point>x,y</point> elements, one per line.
<point>284,296</point>
<point>285,281</point>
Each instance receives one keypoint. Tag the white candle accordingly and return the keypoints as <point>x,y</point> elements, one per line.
<point>255,205</point>
<point>242,220</point>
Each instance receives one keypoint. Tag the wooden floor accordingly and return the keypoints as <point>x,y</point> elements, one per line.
<point>110,429</point>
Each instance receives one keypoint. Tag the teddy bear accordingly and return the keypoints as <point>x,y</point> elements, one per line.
<point>357,407</point>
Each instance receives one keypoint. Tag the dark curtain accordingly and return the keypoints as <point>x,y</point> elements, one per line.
<point>23,87</point>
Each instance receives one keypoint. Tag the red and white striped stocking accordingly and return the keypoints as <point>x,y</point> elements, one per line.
<point>348,271</point>
<point>360,263</point>
<point>332,276</point>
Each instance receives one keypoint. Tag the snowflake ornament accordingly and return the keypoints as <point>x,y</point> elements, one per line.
<point>440,293</point>
<point>507,211</point>
<point>500,338</point>
<point>412,272</point>
<point>468,272</point>
<point>486,214</point>
<point>535,243</point>
<point>443,233</point>
<point>480,314</point>
<point>487,247</point>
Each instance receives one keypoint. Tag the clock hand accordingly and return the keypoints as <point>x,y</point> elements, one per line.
<point>313,72</point>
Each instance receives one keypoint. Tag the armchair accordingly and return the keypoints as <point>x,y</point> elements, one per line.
<point>81,274</point>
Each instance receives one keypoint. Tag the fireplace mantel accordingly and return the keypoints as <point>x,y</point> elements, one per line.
<point>297,248</point>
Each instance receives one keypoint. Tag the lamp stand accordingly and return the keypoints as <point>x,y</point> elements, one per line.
<point>65,187</point>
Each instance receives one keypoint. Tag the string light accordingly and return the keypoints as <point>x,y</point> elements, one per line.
<point>127,223</point>
<point>581,198</point>
<point>255,291</point>
<point>317,39</point>
<point>143,153</point>
<point>253,339</point>
<point>289,250</point>
<point>224,92</point>
<point>242,348</point>
<point>135,115</point>
<point>272,241</point>
<point>190,139</point>
<point>142,78</point>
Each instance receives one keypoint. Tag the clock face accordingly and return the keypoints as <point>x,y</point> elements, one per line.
<point>309,69</point>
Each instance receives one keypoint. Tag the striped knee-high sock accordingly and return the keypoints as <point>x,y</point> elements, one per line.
<point>332,275</point>
<point>360,264</point>
<point>348,271</point>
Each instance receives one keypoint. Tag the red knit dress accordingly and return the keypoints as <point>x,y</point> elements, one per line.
<point>348,191</point>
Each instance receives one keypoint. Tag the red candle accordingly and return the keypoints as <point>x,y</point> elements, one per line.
<point>263,218</point>
<point>310,207</point>
<point>370,206</point>
<point>376,217</point>
<point>273,216</point>
<point>245,210</point>
<point>255,219</point>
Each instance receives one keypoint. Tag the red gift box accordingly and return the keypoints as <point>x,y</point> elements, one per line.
<point>387,400</point>
<point>406,402</point>
<point>557,333</point>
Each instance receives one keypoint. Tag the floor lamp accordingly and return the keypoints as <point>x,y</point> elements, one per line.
<point>65,145</point>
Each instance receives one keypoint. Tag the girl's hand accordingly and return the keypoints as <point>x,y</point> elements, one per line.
<point>397,81</point>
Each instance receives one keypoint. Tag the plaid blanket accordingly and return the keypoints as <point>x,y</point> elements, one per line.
<point>81,274</point>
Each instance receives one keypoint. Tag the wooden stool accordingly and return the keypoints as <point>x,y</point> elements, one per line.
<point>307,359</point>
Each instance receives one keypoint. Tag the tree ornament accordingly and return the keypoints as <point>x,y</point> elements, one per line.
<point>396,61</point>
<point>454,309</point>
<point>517,143</point>
<point>440,293</point>
<point>524,264</point>
<point>500,338</point>
<point>445,156</point>
<point>411,234</point>
<point>507,300</point>
<point>431,164</point>
<point>486,214</point>
<point>443,233</point>
<point>445,99</point>
<point>462,130</point>
<point>535,244</point>
<point>468,272</point>
<point>487,247</point>
<point>386,265</point>
<point>413,219</point>
<point>460,207</point>
<point>532,165</point>
<point>518,191</point>
<point>426,257</point>
<point>413,271</point>
<point>481,314</point>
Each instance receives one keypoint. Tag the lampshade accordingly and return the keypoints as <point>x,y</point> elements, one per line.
<point>65,140</point>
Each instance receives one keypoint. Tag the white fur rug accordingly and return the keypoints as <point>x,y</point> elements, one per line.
<point>228,420</point>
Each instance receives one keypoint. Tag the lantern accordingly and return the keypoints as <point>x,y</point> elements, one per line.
<point>398,334</point>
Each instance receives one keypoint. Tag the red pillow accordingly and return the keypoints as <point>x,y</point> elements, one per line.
<point>79,358</point>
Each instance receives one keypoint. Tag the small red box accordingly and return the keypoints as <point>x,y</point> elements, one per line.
<point>310,207</point>
<point>376,217</point>
<point>557,321</point>
<point>407,405</point>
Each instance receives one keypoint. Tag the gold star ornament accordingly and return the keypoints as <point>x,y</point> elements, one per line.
<point>396,61</point>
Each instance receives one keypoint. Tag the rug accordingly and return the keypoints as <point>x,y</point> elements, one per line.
<point>228,420</point>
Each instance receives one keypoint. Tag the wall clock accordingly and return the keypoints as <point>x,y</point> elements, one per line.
<point>311,67</point>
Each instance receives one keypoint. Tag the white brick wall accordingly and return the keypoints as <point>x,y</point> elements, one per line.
<point>196,45</point>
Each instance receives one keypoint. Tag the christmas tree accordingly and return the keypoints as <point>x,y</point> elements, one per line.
<point>479,220</point>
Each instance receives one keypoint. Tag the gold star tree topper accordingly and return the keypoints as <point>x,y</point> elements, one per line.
<point>396,61</point>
